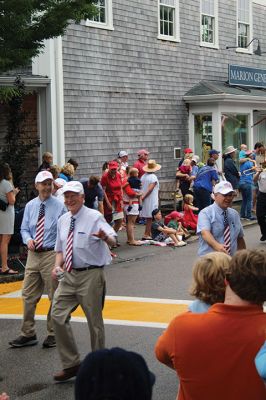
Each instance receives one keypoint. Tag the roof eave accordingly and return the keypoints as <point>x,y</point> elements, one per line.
<point>210,98</point>
<point>30,81</point>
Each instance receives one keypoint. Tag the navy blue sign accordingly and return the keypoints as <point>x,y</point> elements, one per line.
<point>245,76</point>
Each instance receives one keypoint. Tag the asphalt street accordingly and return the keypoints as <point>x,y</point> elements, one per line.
<point>143,272</point>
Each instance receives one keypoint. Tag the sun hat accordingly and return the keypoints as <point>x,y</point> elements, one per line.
<point>122,153</point>
<point>143,151</point>
<point>229,150</point>
<point>114,374</point>
<point>113,165</point>
<point>188,150</point>
<point>42,176</point>
<point>152,166</point>
<point>223,187</point>
<point>213,151</point>
<point>73,186</point>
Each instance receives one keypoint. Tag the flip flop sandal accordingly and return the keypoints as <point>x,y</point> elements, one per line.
<point>9,271</point>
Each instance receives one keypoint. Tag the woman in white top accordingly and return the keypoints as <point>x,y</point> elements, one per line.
<point>7,217</point>
<point>260,177</point>
<point>150,198</point>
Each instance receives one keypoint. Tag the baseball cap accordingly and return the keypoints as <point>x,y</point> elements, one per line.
<point>223,187</point>
<point>248,152</point>
<point>42,176</point>
<point>122,153</point>
<point>73,186</point>
<point>143,151</point>
<point>188,150</point>
<point>113,165</point>
<point>211,152</point>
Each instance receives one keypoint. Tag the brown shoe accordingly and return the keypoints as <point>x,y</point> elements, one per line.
<point>66,373</point>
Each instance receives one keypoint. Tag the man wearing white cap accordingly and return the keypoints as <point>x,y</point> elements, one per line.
<point>219,227</point>
<point>83,237</point>
<point>38,232</point>
<point>123,157</point>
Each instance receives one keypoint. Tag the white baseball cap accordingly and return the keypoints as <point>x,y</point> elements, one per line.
<point>122,153</point>
<point>42,176</point>
<point>223,187</point>
<point>60,181</point>
<point>73,186</point>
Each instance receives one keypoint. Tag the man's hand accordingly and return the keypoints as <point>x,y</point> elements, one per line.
<point>55,271</point>
<point>101,235</point>
<point>221,248</point>
<point>31,245</point>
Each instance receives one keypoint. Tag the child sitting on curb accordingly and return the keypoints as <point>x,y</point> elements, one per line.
<point>175,220</point>
<point>161,233</point>
<point>190,219</point>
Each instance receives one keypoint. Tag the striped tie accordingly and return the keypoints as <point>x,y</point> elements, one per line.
<point>40,228</point>
<point>69,246</point>
<point>227,239</point>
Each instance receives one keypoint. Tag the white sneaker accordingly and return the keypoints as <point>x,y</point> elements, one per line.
<point>181,243</point>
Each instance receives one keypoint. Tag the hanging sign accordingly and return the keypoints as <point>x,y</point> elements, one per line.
<point>246,76</point>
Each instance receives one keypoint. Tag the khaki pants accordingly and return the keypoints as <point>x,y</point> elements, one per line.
<point>87,289</point>
<point>37,277</point>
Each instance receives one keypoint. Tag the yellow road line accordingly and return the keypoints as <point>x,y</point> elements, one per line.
<point>114,310</point>
<point>6,288</point>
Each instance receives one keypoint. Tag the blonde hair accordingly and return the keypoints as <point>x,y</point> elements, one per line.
<point>68,169</point>
<point>187,162</point>
<point>209,273</point>
<point>133,172</point>
<point>188,199</point>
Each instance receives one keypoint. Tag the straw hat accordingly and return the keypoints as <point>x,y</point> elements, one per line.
<point>152,166</point>
<point>229,150</point>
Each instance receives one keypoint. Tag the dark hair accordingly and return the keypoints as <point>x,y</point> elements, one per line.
<point>5,171</point>
<point>154,212</point>
<point>105,166</point>
<point>211,162</point>
<point>114,374</point>
<point>73,162</point>
<point>94,180</point>
<point>247,275</point>
<point>258,145</point>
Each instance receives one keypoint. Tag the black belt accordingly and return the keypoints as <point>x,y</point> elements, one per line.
<point>43,249</point>
<point>89,267</point>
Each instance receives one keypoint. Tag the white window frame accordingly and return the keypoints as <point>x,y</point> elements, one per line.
<point>108,24</point>
<point>215,44</point>
<point>248,50</point>
<point>176,30</point>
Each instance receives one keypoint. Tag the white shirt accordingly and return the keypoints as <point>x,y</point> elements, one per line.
<point>87,249</point>
<point>262,182</point>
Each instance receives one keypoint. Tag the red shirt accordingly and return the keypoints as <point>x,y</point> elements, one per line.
<point>139,164</point>
<point>113,189</point>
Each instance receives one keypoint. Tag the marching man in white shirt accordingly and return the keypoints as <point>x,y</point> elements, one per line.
<point>82,251</point>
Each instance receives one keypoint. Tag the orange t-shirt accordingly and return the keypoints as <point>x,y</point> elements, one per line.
<point>213,353</point>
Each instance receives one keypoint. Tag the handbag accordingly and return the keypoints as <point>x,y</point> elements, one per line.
<point>3,205</point>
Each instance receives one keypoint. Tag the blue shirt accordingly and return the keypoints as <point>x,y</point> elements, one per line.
<point>197,306</point>
<point>211,219</point>
<point>53,211</point>
<point>246,178</point>
<point>260,361</point>
<point>205,177</point>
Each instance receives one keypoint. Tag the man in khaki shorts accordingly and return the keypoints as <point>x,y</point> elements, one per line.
<point>83,237</point>
<point>38,232</point>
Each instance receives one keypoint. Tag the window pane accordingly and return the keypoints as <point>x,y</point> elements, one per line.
<point>207,29</point>
<point>208,7</point>
<point>167,15</point>
<point>101,6</point>
<point>203,136</point>
<point>234,130</point>
<point>243,34</point>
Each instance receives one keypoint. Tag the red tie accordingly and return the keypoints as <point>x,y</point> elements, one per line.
<point>40,228</point>
<point>227,239</point>
<point>69,246</point>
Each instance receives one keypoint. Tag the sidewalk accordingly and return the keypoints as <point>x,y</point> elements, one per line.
<point>125,253</point>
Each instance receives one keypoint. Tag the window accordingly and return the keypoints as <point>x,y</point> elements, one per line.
<point>203,135</point>
<point>209,23</point>
<point>244,23</point>
<point>235,129</point>
<point>169,20</point>
<point>104,16</point>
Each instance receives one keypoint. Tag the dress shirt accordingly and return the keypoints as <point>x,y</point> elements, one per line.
<point>211,219</point>
<point>54,209</point>
<point>87,249</point>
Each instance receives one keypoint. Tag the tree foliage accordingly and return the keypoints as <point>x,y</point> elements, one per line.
<point>17,146</point>
<point>24,24</point>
